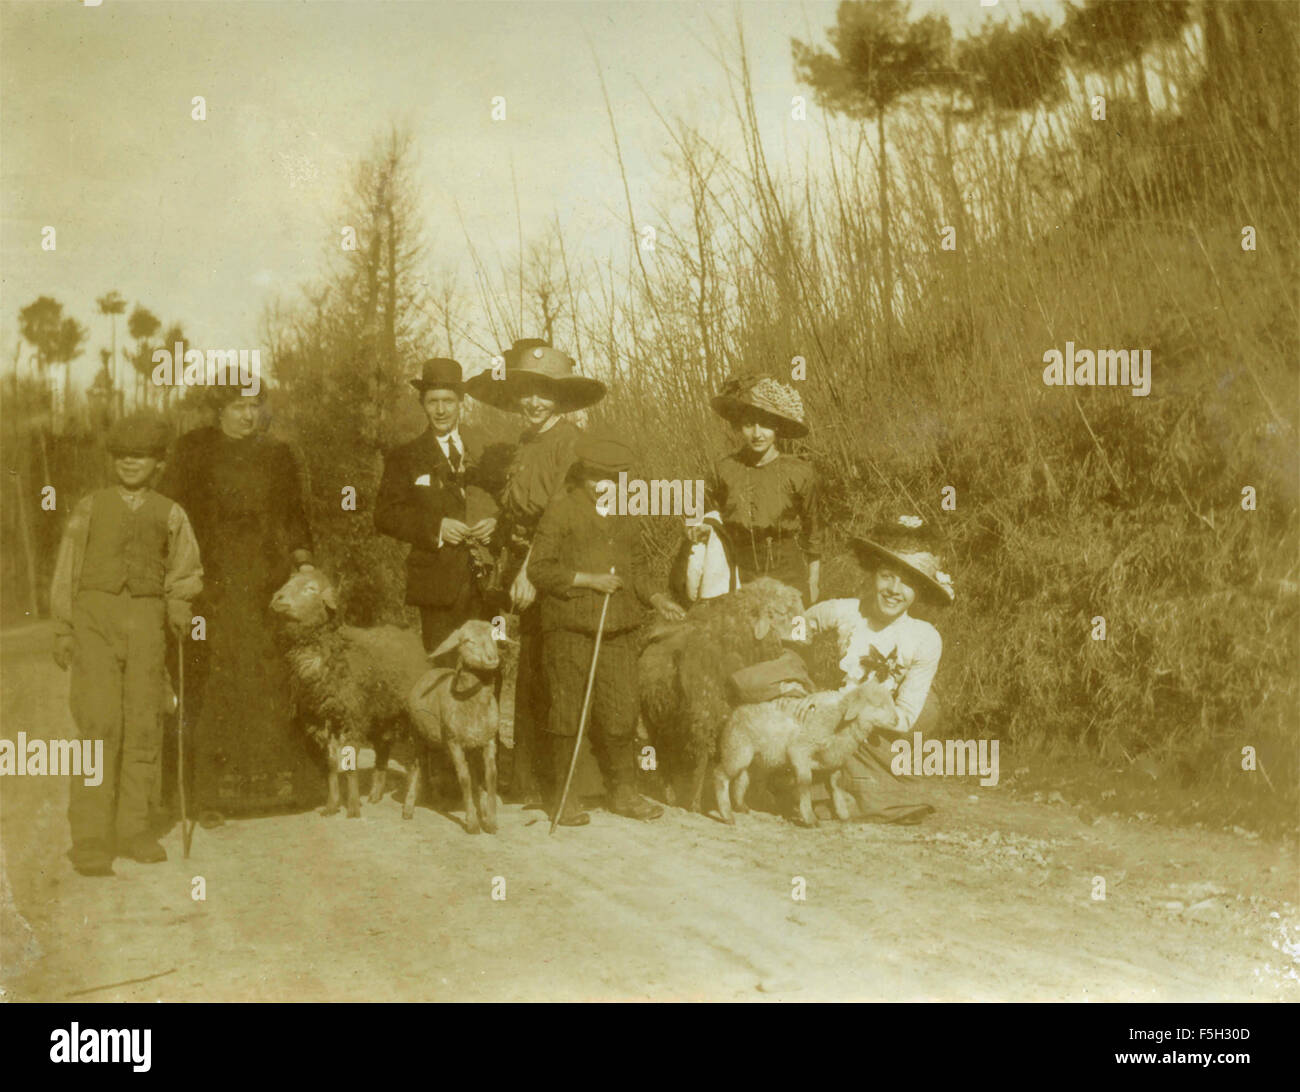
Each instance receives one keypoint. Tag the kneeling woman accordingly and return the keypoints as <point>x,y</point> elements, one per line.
<point>877,636</point>
<point>767,499</point>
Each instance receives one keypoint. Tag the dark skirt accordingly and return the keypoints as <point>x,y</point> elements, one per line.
<point>245,750</point>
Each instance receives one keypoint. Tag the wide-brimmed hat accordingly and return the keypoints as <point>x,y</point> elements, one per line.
<point>907,544</point>
<point>604,453</point>
<point>532,366</point>
<point>441,374</point>
<point>140,433</point>
<point>774,403</point>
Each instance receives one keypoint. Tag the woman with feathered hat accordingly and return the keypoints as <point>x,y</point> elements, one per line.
<point>767,499</point>
<point>541,385</point>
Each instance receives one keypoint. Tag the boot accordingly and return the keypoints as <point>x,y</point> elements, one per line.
<point>562,748</point>
<point>144,848</point>
<point>625,800</point>
<point>91,857</point>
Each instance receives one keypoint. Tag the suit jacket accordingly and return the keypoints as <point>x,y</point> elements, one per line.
<point>417,492</point>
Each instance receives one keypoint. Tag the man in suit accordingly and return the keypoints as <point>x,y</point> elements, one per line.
<point>423,501</point>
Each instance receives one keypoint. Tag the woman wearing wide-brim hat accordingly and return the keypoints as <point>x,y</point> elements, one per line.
<point>766,498</point>
<point>901,566</point>
<point>541,384</point>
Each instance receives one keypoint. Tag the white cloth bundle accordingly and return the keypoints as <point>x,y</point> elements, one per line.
<point>708,575</point>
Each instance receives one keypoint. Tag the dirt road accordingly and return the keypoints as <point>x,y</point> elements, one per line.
<point>990,899</point>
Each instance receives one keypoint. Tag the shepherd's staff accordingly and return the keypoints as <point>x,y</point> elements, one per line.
<point>586,705</point>
<point>180,744</point>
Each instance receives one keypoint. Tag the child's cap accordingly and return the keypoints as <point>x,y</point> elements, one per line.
<point>139,433</point>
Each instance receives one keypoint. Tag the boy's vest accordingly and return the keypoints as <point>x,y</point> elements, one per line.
<point>125,548</point>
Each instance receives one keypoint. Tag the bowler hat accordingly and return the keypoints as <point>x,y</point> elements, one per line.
<point>441,373</point>
<point>906,544</point>
<point>776,404</point>
<point>139,433</point>
<point>603,452</point>
<point>532,366</point>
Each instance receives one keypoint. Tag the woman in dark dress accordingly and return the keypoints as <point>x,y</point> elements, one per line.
<point>765,498</point>
<point>241,491</point>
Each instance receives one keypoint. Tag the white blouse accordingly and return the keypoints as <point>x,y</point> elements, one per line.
<point>905,654</point>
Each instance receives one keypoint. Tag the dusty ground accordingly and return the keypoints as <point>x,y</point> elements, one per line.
<point>991,899</point>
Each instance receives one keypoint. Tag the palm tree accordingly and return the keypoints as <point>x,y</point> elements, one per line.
<point>879,56</point>
<point>142,324</point>
<point>112,305</point>
<point>57,339</point>
<point>174,341</point>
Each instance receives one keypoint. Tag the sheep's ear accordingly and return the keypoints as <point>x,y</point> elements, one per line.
<point>854,702</point>
<point>329,597</point>
<point>449,642</point>
<point>762,627</point>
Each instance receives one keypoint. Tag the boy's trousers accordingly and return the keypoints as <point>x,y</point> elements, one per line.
<point>117,695</point>
<point>614,696</point>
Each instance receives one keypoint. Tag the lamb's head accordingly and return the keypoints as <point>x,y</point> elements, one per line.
<point>475,643</point>
<point>306,601</point>
<point>867,708</point>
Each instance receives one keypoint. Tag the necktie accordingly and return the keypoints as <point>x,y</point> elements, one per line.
<point>453,455</point>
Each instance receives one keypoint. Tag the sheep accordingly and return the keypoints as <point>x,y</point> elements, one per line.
<point>816,732</point>
<point>349,685</point>
<point>457,707</point>
<point>683,674</point>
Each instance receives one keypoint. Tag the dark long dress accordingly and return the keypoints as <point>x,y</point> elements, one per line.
<point>244,750</point>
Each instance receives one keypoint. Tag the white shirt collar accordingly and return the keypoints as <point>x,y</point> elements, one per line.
<point>454,434</point>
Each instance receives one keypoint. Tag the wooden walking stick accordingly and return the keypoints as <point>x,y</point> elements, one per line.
<point>586,706</point>
<point>186,832</point>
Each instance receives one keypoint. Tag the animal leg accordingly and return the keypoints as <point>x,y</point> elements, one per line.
<point>738,789</point>
<point>466,786</point>
<point>332,776</point>
<point>354,792</point>
<point>722,790</point>
<point>697,781</point>
<point>413,786</point>
<point>489,807</point>
<point>841,801</point>
<point>380,776</point>
<point>802,764</point>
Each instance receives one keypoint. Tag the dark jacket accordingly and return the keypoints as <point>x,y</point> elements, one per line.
<point>245,503</point>
<point>413,512</point>
<point>573,537</point>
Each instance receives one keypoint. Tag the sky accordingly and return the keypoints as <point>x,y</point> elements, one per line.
<point>206,222</point>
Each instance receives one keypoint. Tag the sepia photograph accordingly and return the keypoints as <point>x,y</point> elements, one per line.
<point>684,501</point>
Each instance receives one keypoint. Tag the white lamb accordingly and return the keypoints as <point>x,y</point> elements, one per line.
<point>817,732</point>
<point>457,708</point>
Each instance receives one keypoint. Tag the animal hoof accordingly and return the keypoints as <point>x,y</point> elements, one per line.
<point>329,811</point>
<point>473,830</point>
<point>375,798</point>
<point>354,813</point>
<point>489,828</point>
<point>408,813</point>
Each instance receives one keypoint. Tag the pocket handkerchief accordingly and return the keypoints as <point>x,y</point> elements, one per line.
<point>423,479</point>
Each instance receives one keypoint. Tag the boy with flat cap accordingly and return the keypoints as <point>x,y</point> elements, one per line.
<point>583,552</point>
<point>127,567</point>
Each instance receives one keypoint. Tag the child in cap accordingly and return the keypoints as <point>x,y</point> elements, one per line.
<point>128,565</point>
<point>582,552</point>
<point>879,638</point>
